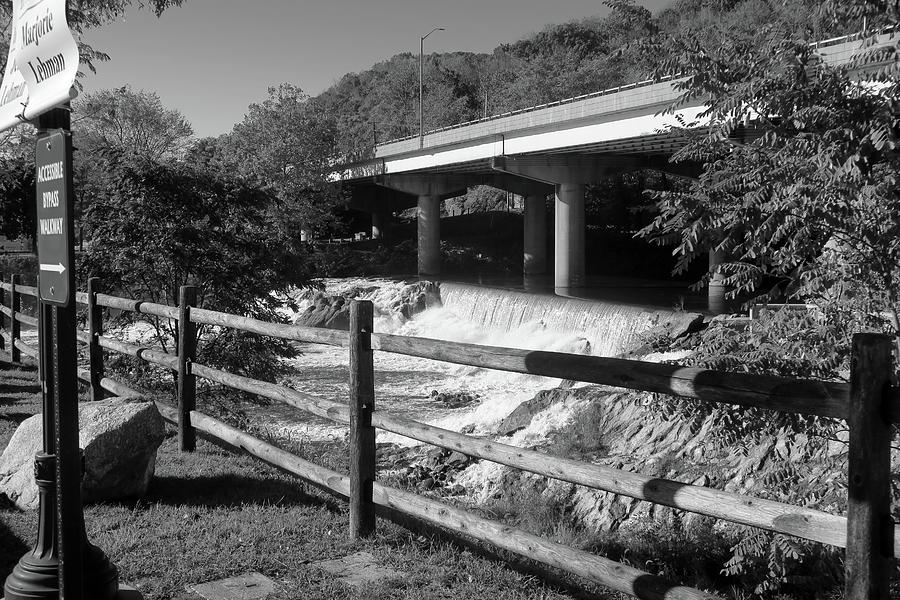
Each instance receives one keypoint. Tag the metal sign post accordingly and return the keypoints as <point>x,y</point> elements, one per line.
<point>55,242</point>
<point>84,570</point>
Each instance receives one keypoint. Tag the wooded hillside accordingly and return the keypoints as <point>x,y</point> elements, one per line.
<point>561,61</point>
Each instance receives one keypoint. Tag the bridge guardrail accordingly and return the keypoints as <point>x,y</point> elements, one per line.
<point>828,43</point>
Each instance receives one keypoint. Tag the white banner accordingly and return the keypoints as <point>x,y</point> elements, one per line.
<point>13,91</point>
<point>42,54</point>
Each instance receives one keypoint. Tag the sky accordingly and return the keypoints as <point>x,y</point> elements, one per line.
<point>211,59</point>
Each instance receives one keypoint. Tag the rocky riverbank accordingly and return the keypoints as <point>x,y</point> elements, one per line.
<point>637,432</point>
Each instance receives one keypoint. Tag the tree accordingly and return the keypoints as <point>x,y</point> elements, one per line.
<point>157,226</point>
<point>121,122</point>
<point>286,146</point>
<point>17,211</point>
<point>807,205</point>
<point>131,121</point>
<point>479,198</point>
<point>799,191</point>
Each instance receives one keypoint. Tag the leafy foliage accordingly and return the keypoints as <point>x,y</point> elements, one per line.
<point>814,344</point>
<point>806,344</point>
<point>132,120</point>
<point>17,211</point>
<point>156,227</point>
<point>798,189</point>
<point>783,565</point>
<point>285,146</point>
<point>776,565</point>
<point>561,61</point>
<point>800,176</point>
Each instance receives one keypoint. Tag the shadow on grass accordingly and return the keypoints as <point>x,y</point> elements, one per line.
<point>20,386</point>
<point>11,550</point>
<point>557,579</point>
<point>15,417</point>
<point>10,393</point>
<point>6,365</point>
<point>231,490</point>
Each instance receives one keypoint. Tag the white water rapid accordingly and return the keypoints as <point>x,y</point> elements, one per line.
<point>471,314</point>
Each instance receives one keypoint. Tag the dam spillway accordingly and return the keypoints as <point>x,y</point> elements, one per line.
<point>611,328</point>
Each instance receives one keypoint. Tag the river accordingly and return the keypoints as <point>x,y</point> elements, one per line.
<point>416,388</point>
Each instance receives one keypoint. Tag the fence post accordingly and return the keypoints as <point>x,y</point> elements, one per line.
<point>362,434</point>
<point>95,330</point>
<point>187,383</point>
<point>870,528</point>
<point>15,355</point>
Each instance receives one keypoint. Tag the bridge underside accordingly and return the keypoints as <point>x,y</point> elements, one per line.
<point>562,165</point>
<point>533,176</point>
<point>555,148</point>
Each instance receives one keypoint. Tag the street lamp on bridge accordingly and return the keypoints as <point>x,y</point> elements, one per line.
<point>421,84</point>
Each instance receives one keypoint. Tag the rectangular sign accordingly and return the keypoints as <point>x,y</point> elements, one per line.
<point>55,239</point>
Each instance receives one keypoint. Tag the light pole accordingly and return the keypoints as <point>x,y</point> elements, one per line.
<point>421,82</point>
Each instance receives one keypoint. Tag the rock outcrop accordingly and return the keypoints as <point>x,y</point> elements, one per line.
<point>333,311</point>
<point>329,312</point>
<point>119,438</point>
<point>521,417</point>
<point>636,436</point>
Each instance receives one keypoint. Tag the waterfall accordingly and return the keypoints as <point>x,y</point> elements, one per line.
<point>465,313</point>
<point>497,317</point>
<point>610,328</point>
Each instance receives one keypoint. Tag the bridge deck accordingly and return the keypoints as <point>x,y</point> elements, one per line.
<point>632,119</point>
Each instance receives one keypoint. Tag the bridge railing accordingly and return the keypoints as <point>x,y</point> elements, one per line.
<point>396,145</point>
<point>869,404</point>
<point>528,109</point>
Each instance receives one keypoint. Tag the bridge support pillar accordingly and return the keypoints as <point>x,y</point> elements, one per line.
<point>430,190</point>
<point>428,217</point>
<point>379,223</point>
<point>569,239</point>
<point>717,288</point>
<point>535,252</point>
<point>569,174</point>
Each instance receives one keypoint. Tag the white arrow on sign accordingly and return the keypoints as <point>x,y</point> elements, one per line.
<point>57,268</point>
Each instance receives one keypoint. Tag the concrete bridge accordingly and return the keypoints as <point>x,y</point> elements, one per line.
<point>554,148</point>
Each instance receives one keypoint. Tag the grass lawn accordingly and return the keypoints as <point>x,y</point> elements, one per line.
<point>214,514</point>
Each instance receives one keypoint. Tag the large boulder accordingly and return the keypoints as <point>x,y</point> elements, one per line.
<point>119,438</point>
<point>331,312</point>
<point>521,417</point>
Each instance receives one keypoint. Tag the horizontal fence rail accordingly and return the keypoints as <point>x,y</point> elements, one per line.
<point>590,566</point>
<point>26,349</point>
<point>813,397</point>
<point>820,398</point>
<point>278,330</point>
<point>26,319</point>
<point>784,518</point>
<point>147,308</point>
<point>151,355</point>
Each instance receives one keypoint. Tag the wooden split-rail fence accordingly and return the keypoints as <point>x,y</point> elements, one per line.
<point>870,405</point>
